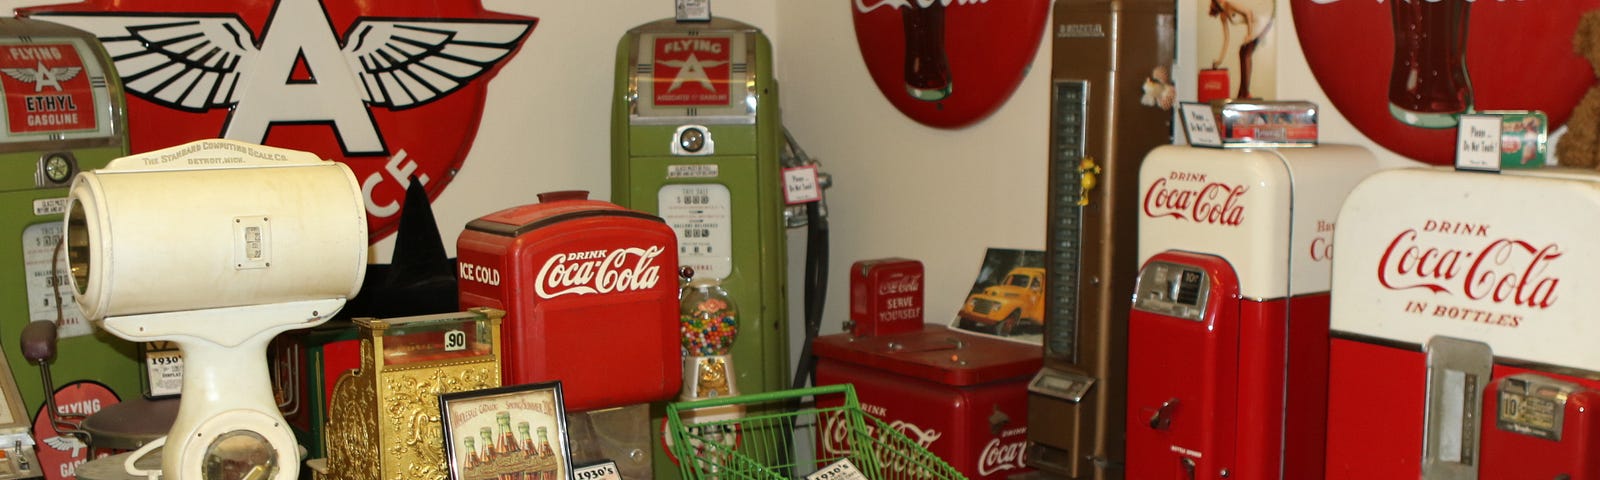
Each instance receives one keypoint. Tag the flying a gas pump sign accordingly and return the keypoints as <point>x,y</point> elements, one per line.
<point>394,90</point>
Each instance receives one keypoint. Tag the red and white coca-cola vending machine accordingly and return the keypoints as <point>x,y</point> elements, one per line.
<point>1464,341</point>
<point>1227,338</point>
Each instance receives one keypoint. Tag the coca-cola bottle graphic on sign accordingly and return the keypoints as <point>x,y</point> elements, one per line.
<point>472,453</point>
<point>547,456</point>
<point>1428,84</point>
<point>927,68</point>
<point>486,435</point>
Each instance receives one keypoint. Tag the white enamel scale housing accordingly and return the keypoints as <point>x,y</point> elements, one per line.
<point>217,246</point>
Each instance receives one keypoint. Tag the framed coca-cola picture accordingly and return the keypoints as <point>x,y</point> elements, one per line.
<point>518,431</point>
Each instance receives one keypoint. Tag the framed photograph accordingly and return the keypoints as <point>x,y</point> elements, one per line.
<point>519,430</point>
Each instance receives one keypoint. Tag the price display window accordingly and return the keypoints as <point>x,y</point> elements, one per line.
<point>432,338</point>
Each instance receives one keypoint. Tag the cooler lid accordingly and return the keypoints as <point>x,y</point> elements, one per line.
<point>937,354</point>
<point>1505,259</point>
<point>1269,212</point>
<point>553,208</point>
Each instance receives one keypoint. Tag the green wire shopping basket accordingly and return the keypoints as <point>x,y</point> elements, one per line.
<point>753,437</point>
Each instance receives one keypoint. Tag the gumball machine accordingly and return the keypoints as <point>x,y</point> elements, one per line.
<point>710,321</point>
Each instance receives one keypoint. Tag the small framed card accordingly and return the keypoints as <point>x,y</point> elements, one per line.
<point>520,430</point>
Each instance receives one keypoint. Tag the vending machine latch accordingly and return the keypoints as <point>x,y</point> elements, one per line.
<point>1162,419</point>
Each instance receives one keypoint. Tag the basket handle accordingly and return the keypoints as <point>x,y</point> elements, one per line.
<point>848,390</point>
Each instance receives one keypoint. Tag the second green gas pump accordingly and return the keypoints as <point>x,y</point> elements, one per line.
<point>696,139</point>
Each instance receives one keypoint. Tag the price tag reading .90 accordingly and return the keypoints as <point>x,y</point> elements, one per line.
<point>455,340</point>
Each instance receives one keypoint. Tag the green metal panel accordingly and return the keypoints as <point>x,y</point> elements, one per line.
<point>747,164</point>
<point>98,356</point>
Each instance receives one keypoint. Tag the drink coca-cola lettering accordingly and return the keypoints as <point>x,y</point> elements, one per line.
<point>1215,203</point>
<point>1505,270</point>
<point>836,442</point>
<point>999,457</point>
<point>599,271</point>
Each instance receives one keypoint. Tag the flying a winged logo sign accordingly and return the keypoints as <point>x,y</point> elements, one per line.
<point>394,90</point>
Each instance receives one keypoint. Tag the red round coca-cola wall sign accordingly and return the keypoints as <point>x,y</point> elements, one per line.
<point>948,63</point>
<point>391,89</point>
<point>1402,70</point>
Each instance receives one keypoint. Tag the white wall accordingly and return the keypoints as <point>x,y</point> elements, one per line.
<point>901,189</point>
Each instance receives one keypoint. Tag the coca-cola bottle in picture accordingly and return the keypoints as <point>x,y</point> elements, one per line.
<point>927,68</point>
<point>471,460</point>
<point>486,435</point>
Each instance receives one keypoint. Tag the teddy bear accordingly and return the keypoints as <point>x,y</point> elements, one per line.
<point>1580,146</point>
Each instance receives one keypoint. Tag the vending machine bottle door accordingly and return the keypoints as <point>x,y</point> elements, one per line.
<point>1183,346</point>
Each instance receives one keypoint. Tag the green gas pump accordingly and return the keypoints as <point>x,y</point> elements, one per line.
<point>62,112</point>
<point>695,139</point>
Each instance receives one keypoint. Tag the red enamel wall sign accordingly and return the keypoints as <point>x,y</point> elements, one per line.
<point>1400,70</point>
<point>391,89</point>
<point>693,71</point>
<point>948,63</point>
<point>46,89</point>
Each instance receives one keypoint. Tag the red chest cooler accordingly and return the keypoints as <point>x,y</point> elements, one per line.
<point>964,397</point>
<point>590,293</point>
<point>1463,327</point>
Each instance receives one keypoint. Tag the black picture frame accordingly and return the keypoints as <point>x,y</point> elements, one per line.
<point>468,418</point>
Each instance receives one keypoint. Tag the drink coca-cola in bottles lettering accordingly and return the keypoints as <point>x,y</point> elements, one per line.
<point>580,280</point>
<point>1471,269</point>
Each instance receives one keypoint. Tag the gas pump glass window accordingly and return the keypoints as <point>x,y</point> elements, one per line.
<point>77,245</point>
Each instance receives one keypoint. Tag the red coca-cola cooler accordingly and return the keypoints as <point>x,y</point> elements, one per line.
<point>590,293</point>
<point>1463,327</point>
<point>962,396</point>
<point>1227,338</point>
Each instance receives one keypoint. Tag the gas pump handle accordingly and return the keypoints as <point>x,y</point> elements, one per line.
<point>39,341</point>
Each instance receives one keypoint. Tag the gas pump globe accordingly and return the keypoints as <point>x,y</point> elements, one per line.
<point>217,246</point>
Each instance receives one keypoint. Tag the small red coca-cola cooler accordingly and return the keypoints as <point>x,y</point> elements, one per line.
<point>962,396</point>
<point>590,293</point>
